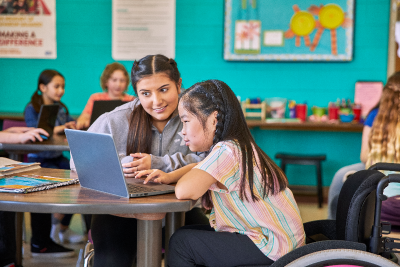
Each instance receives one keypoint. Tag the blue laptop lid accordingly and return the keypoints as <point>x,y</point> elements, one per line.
<point>96,161</point>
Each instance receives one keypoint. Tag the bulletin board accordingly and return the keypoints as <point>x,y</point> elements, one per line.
<point>289,30</point>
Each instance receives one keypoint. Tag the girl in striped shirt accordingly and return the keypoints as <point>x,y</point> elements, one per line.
<point>254,218</point>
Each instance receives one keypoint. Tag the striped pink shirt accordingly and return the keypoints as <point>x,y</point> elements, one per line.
<point>273,223</point>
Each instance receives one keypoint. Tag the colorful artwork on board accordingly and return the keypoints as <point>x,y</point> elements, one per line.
<point>302,24</point>
<point>292,30</point>
<point>247,37</point>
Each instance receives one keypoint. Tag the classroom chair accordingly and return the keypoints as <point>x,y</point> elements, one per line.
<point>355,238</point>
<point>13,123</point>
<point>314,160</point>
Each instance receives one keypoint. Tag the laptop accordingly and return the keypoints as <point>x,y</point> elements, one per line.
<point>47,118</point>
<point>102,106</point>
<point>99,167</point>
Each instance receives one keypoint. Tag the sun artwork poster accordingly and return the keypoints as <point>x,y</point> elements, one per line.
<point>28,29</point>
<point>290,30</point>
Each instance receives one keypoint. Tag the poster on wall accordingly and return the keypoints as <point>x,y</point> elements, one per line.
<point>143,27</point>
<point>289,30</point>
<point>28,29</point>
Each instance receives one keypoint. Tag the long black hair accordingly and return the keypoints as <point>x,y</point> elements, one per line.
<point>45,78</point>
<point>204,98</point>
<point>139,134</point>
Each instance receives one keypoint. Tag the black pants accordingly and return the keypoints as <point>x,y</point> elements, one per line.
<point>115,238</point>
<point>41,227</point>
<point>200,245</point>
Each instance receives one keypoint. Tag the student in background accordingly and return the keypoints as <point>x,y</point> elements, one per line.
<point>148,131</point>
<point>341,175</point>
<point>50,89</point>
<point>114,81</point>
<point>40,222</point>
<point>254,217</point>
<point>384,144</point>
<point>380,142</point>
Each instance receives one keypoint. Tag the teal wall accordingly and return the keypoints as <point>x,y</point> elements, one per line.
<point>84,48</point>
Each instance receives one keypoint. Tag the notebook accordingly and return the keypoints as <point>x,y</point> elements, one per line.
<point>32,183</point>
<point>102,106</point>
<point>47,118</point>
<point>99,167</point>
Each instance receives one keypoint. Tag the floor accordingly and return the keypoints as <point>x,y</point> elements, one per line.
<point>307,204</point>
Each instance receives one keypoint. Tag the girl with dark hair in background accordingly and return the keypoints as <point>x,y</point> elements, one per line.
<point>49,91</point>
<point>147,135</point>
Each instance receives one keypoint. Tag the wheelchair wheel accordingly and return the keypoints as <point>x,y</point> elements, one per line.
<point>346,257</point>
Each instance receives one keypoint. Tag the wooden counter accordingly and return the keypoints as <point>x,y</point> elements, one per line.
<point>286,126</point>
<point>307,126</point>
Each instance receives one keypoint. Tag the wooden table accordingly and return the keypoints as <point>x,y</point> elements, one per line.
<point>307,126</point>
<point>74,199</point>
<point>55,143</point>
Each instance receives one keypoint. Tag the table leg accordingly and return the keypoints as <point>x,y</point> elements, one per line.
<point>173,221</point>
<point>18,237</point>
<point>149,243</point>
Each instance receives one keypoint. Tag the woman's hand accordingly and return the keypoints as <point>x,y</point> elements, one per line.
<point>141,162</point>
<point>156,176</point>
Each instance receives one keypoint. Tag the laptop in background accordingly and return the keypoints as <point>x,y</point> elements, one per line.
<point>99,167</point>
<point>47,118</point>
<point>102,106</point>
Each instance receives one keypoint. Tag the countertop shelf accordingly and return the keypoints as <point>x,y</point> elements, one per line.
<point>286,126</point>
<point>307,126</point>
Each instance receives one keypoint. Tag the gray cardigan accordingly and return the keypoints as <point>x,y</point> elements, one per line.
<point>168,150</point>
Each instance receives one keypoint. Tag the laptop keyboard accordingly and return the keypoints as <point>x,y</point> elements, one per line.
<point>133,188</point>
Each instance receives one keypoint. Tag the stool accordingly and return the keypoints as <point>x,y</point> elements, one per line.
<point>305,160</point>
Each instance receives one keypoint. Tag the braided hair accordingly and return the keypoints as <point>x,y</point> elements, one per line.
<point>384,139</point>
<point>140,134</point>
<point>201,100</point>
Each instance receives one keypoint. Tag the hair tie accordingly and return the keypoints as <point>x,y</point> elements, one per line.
<point>171,61</point>
<point>136,65</point>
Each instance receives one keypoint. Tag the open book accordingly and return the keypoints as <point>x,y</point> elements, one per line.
<point>9,166</point>
<point>32,183</point>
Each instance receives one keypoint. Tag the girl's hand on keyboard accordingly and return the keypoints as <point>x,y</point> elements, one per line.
<point>156,176</point>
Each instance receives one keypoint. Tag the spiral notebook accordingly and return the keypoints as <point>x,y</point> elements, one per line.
<point>11,183</point>
<point>32,183</point>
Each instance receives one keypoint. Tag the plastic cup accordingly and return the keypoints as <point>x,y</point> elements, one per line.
<point>301,111</point>
<point>333,113</point>
<point>357,113</point>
